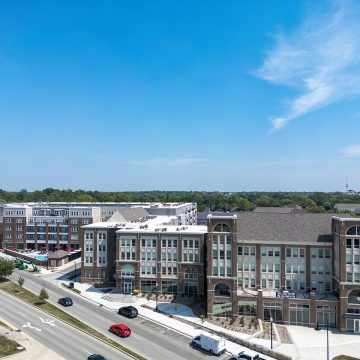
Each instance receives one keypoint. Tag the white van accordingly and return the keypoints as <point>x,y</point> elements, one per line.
<point>212,343</point>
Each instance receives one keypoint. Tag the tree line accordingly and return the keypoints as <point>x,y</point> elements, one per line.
<point>213,201</point>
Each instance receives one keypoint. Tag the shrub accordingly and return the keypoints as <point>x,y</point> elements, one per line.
<point>21,281</point>
<point>136,292</point>
<point>202,318</point>
<point>43,296</point>
<point>242,321</point>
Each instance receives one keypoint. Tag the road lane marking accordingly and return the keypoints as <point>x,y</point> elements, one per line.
<point>48,321</point>
<point>87,352</point>
<point>52,331</point>
<point>31,327</point>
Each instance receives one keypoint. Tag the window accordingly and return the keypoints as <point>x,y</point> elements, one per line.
<point>355,230</point>
<point>221,228</point>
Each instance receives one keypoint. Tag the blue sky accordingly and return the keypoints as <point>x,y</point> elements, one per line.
<point>180,95</point>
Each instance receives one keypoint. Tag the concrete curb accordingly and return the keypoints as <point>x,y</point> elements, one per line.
<point>13,328</point>
<point>85,332</point>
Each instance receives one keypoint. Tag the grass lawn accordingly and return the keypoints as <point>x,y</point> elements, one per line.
<point>5,325</point>
<point>8,347</point>
<point>344,357</point>
<point>29,297</point>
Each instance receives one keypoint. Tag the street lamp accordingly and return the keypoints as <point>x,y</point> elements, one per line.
<point>327,340</point>
<point>156,297</point>
<point>271,334</point>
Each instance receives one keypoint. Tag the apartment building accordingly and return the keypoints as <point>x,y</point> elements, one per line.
<point>152,254</point>
<point>186,213</point>
<point>50,226</point>
<point>299,269</point>
<point>42,227</point>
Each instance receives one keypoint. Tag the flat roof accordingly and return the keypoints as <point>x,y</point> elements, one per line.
<point>187,229</point>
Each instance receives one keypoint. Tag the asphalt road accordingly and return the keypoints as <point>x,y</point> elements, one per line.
<point>65,340</point>
<point>148,338</point>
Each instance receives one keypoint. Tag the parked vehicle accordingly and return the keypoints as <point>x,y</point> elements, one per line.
<point>96,357</point>
<point>66,301</point>
<point>128,311</point>
<point>120,329</point>
<point>246,355</point>
<point>212,343</point>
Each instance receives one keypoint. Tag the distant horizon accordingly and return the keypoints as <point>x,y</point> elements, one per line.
<point>210,191</point>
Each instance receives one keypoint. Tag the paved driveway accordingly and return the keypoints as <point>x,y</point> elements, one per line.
<point>311,344</point>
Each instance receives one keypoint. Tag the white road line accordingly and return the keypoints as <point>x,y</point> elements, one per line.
<point>52,331</point>
<point>87,352</point>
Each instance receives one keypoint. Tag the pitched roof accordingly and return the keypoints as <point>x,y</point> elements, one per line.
<point>277,210</point>
<point>347,206</point>
<point>58,254</point>
<point>128,214</point>
<point>302,228</point>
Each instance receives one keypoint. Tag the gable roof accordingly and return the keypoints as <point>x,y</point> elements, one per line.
<point>128,214</point>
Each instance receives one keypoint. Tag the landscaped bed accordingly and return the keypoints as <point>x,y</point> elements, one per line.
<point>244,324</point>
<point>9,347</point>
<point>29,297</point>
<point>344,357</point>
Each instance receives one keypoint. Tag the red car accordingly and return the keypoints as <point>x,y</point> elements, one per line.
<point>120,329</point>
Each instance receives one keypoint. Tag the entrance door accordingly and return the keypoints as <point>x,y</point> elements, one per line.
<point>127,286</point>
<point>357,326</point>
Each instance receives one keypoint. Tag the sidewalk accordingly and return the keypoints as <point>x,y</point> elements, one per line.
<point>33,349</point>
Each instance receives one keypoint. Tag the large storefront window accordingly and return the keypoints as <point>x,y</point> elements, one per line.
<point>247,308</point>
<point>169,287</point>
<point>274,310</point>
<point>326,315</point>
<point>222,309</point>
<point>191,288</point>
<point>148,286</point>
<point>299,314</point>
<point>353,325</point>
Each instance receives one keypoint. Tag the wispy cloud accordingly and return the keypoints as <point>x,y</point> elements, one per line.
<point>165,162</point>
<point>321,60</point>
<point>351,151</point>
<point>288,162</point>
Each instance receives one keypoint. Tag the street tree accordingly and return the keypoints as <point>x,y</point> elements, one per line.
<point>43,295</point>
<point>6,267</point>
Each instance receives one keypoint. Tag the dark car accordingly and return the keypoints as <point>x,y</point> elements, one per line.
<point>66,301</point>
<point>120,329</point>
<point>96,357</point>
<point>128,311</point>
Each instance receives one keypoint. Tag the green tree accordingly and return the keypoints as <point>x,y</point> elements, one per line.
<point>202,318</point>
<point>43,296</point>
<point>6,267</point>
<point>21,281</point>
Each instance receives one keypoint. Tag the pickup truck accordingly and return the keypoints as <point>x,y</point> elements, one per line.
<point>246,355</point>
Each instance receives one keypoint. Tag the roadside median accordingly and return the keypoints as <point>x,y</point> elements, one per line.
<point>27,296</point>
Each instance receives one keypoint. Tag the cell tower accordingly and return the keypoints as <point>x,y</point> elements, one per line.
<point>347,185</point>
